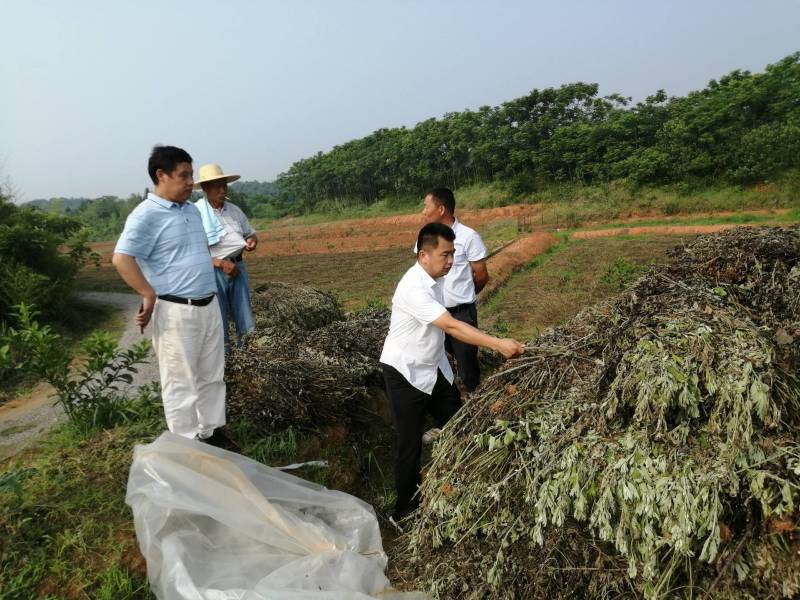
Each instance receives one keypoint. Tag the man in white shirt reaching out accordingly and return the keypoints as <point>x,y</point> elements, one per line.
<point>463,282</point>
<point>417,374</point>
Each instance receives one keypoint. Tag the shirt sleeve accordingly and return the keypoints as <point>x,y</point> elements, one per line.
<point>137,238</point>
<point>247,229</point>
<point>475,249</point>
<point>241,218</point>
<point>421,304</point>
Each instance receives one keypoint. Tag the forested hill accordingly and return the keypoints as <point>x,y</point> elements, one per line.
<point>744,127</point>
<point>57,204</point>
<point>255,188</point>
<point>105,216</point>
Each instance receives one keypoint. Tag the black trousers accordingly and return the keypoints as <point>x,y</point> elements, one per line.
<point>410,405</point>
<point>466,355</point>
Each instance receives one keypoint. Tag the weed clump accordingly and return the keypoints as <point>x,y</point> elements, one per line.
<point>648,448</point>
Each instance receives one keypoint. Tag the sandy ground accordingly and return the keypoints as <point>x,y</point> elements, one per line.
<point>28,417</point>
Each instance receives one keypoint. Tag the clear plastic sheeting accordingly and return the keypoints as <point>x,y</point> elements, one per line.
<point>215,525</point>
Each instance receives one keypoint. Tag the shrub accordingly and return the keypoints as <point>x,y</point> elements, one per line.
<point>42,252</point>
<point>92,397</point>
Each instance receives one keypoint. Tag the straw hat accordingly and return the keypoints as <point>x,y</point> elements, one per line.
<point>212,173</point>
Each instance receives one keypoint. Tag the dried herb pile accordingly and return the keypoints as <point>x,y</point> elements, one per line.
<point>648,448</point>
<point>307,364</point>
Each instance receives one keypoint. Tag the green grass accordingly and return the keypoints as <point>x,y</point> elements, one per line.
<point>67,534</point>
<point>497,233</point>
<point>555,286</point>
<point>65,531</point>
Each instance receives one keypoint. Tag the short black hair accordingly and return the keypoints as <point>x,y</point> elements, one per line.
<point>428,236</point>
<point>445,197</point>
<point>166,158</point>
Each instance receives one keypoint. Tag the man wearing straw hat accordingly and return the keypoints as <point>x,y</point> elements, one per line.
<point>163,255</point>
<point>229,234</point>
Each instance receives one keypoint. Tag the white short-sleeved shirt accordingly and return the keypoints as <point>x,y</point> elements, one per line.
<point>237,230</point>
<point>459,287</point>
<point>414,346</point>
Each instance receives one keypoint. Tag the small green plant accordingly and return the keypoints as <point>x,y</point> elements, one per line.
<point>270,449</point>
<point>11,482</point>
<point>501,328</point>
<point>92,397</point>
<point>672,207</point>
<point>116,583</point>
<point>375,304</point>
<point>620,273</point>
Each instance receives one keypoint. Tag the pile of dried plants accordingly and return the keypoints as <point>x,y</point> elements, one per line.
<point>648,448</point>
<point>306,364</point>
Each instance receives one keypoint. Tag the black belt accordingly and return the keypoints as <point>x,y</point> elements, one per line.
<point>189,301</point>
<point>460,306</point>
<point>237,258</point>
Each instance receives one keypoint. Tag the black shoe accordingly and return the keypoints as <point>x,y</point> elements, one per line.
<point>218,439</point>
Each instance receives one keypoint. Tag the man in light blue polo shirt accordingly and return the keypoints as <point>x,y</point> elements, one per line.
<point>163,255</point>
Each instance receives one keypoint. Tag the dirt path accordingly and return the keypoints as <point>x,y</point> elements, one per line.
<point>28,417</point>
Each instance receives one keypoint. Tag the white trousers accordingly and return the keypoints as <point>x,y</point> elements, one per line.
<point>191,361</point>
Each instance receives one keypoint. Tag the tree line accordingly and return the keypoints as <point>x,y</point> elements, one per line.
<point>744,127</point>
<point>105,216</point>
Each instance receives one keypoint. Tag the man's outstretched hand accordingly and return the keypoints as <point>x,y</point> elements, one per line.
<point>509,347</point>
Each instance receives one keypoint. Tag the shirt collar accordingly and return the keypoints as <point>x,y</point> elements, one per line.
<point>162,201</point>
<point>221,208</point>
<point>423,275</point>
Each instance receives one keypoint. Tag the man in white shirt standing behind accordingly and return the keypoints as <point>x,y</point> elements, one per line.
<point>229,235</point>
<point>417,374</point>
<point>466,279</point>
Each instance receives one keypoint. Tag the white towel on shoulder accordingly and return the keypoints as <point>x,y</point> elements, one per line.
<point>211,222</point>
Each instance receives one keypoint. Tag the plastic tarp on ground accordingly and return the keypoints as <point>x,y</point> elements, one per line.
<point>215,525</point>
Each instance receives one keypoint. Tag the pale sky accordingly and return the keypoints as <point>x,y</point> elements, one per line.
<point>88,87</point>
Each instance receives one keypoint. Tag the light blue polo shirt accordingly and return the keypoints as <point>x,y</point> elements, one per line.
<point>170,246</point>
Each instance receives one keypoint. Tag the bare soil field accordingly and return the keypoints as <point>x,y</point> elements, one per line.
<point>290,238</point>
